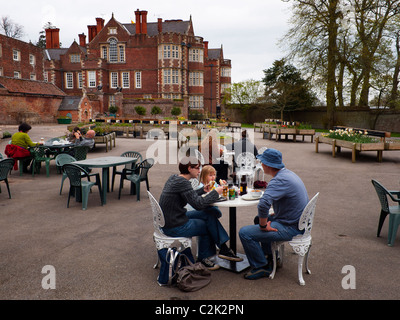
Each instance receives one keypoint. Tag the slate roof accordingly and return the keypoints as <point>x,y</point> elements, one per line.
<point>24,86</point>
<point>70,103</point>
<point>177,26</point>
<point>214,54</point>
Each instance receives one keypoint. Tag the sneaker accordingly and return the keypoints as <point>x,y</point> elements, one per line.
<point>257,273</point>
<point>209,264</point>
<point>228,254</point>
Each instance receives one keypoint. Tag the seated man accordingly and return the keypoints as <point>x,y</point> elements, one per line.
<point>87,140</point>
<point>288,196</point>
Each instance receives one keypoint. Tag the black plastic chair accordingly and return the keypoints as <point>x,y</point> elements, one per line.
<point>80,152</point>
<point>386,209</point>
<point>81,188</point>
<point>5,167</point>
<point>132,154</point>
<point>135,176</point>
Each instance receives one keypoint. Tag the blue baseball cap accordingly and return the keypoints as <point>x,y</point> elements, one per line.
<point>271,158</point>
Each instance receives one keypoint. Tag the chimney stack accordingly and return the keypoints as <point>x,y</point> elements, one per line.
<point>159,26</point>
<point>144,22</point>
<point>82,40</point>
<point>137,21</point>
<point>141,22</point>
<point>205,49</point>
<point>52,38</point>
<point>100,24</point>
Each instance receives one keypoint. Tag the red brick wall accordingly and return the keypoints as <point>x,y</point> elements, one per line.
<point>30,108</point>
<point>23,66</point>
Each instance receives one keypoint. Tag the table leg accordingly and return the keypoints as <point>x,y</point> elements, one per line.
<point>105,184</point>
<point>232,265</point>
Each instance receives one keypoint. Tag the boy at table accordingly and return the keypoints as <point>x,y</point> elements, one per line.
<point>202,221</point>
<point>287,195</point>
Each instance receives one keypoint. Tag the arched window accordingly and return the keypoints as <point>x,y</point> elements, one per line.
<point>113,50</point>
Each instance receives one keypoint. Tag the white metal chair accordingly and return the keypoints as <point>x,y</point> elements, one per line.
<point>199,156</point>
<point>259,166</point>
<point>301,244</point>
<point>245,162</point>
<point>161,240</point>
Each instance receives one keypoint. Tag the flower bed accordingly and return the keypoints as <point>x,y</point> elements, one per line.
<point>353,145</point>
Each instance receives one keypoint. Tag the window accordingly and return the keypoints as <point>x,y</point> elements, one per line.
<point>104,52</point>
<point>196,102</point>
<point>1,71</point>
<point>121,53</point>
<point>113,50</point>
<point>171,76</point>
<point>125,79</point>
<point>225,87</point>
<point>46,76</point>
<point>195,55</point>
<point>91,79</point>
<point>32,60</point>
<point>175,51</point>
<point>196,79</point>
<point>225,72</point>
<point>69,80</point>
<point>167,51</point>
<point>32,76</point>
<point>75,58</point>
<point>79,75</point>
<point>16,55</point>
<point>112,30</point>
<point>114,79</point>
<point>111,100</point>
<point>138,78</point>
<point>17,74</point>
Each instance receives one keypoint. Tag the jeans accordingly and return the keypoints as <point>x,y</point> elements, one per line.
<point>257,243</point>
<point>205,225</point>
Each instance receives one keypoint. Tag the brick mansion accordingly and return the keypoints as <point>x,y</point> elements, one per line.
<point>126,65</point>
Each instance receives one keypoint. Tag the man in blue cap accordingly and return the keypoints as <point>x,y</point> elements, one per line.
<point>288,196</point>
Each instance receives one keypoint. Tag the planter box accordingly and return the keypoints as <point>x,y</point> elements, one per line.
<point>306,131</point>
<point>355,147</point>
<point>64,121</point>
<point>392,145</point>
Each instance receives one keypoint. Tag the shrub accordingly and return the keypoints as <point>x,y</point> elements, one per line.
<point>156,110</point>
<point>176,111</point>
<point>141,111</point>
<point>113,109</point>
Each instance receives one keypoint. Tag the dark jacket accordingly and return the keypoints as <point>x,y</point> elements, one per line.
<point>177,193</point>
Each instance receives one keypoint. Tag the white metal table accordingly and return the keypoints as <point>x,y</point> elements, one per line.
<point>232,205</point>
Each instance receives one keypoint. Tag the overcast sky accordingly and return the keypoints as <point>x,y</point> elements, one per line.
<point>248,30</point>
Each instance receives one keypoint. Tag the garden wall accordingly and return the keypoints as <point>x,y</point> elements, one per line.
<point>128,106</point>
<point>383,120</point>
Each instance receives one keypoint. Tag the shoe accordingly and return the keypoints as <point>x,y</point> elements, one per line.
<point>257,273</point>
<point>228,254</point>
<point>209,264</point>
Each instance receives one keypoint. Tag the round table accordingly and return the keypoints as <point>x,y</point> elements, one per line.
<point>232,205</point>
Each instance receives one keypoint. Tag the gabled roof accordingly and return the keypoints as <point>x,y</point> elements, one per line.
<point>24,86</point>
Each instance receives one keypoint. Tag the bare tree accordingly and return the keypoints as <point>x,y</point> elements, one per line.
<point>10,28</point>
